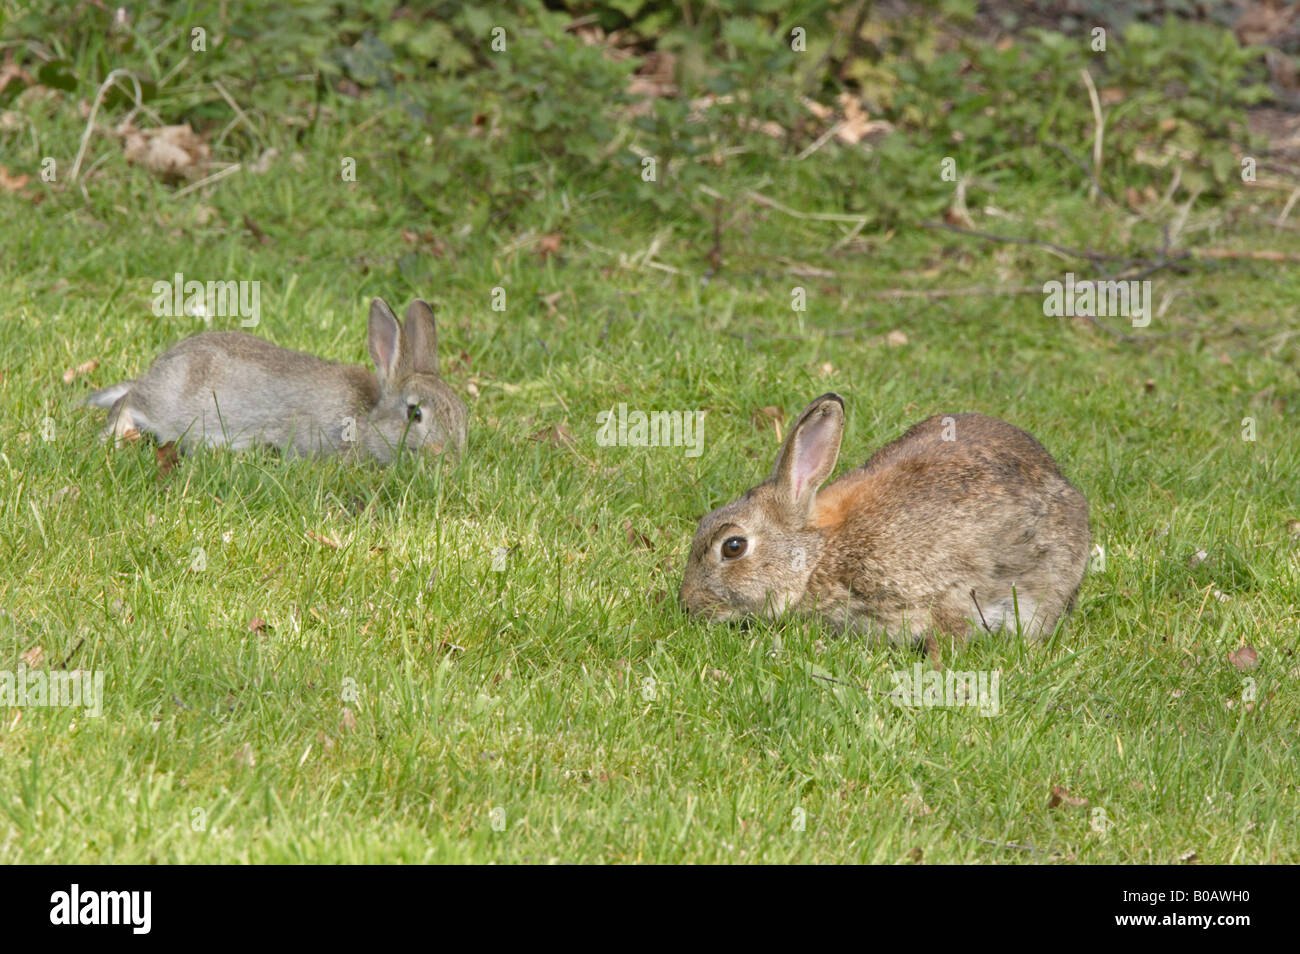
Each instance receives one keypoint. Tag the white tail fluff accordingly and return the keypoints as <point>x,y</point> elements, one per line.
<point>109,396</point>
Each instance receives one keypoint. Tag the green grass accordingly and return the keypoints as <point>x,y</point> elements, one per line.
<point>568,693</point>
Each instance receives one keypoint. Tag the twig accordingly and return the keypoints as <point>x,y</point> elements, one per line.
<point>795,213</point>
<point>1097,136</point>
<point>111,78</point>
<point>983,622</point>
<point>819,141</point>
<point>852,685</point>
<point>240,115</point>
<point>67,659</point>
<point>208,180</point>
<point>1257,255</point>
<point>1180,220</point>
<point>1286,209</point>
<point>801,270</point>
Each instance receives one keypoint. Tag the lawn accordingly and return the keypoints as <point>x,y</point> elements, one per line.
<point>483,659</point>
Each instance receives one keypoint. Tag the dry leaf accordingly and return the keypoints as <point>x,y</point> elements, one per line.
<point>820,110</point>
<point>856,124</point>
<point>85,367</point>
<point>349,721</point>
<point>1244,658</point>
<point>1059,795</point>
<point>655,77</point>
<point>636,538</point>
<point>551,301</point>
<point>549,245</point>
<point>257,625</point>
<point>330,542</point>
<point>173,152</point>
<point>12,183</point>
<point>559,435</point>
<point>168,457</point>
<point>33,657</point>
<point>896,338</point>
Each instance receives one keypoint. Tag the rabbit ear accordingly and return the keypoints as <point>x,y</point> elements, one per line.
<point>385,339</point>
<point>422,336</point>
<point>808,455</point>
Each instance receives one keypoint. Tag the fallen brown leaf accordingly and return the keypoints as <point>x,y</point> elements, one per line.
<point>636,538</point>
<point>12,183</point>
<point>1059,795</point>
<point>172,152</point>
<point>1244,658</point>
<point>257,625</point>
<point>33,657</point>
<point>349,721</point>
<point>85,367</point>
<point>324,541</point>
<point>167,455</point>
<point>558,434</point>
<point>549,245</point>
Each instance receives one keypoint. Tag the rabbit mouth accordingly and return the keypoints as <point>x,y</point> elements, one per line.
<point>709,609</point>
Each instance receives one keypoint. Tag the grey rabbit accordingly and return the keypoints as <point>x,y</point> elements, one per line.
<point>234,389</point>
<point>962,524</point>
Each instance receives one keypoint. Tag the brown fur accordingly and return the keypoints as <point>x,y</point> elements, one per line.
<point>959,503</point>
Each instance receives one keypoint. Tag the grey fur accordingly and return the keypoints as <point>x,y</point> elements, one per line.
<point>228,388</point>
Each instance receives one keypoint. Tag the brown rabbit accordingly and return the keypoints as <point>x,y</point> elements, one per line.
<point>963,522</point>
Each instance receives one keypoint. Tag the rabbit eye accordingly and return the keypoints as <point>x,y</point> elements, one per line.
<point>413,413</point>
<point>734,547</point>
